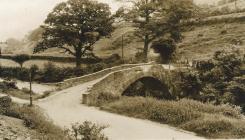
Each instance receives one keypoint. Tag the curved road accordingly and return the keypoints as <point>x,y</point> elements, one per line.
<point>65,109</point>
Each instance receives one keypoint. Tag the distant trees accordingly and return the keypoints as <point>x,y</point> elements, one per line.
<point>21,59</point>
<point>75,26</point>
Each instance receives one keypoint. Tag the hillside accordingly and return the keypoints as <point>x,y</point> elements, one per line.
<point>199,42</point>
<point>203,41</point>
<point>239,5</point>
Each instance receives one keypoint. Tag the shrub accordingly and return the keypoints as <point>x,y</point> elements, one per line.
<point>88,131</point>
<point>18,73</point>
<point>166,48</point>
<point>96,67</point>
<point>216,126</point>
<point>6,85</point>
<point>189,85</point>
<point>5,103</point>
<point>51,73</point>
<point>204,119</point>
<point>34,119</point>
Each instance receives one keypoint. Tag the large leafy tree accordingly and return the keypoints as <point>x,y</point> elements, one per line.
<point>75,26</point>
<point>141,14</point>
<point>155,18</point>
<point>171,25</point>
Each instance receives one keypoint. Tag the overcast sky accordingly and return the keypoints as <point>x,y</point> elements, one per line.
<point>18,17</point>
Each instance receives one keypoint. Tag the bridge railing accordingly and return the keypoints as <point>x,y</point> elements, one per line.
<point>86,78</point>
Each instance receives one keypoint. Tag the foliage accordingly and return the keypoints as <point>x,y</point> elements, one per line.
<point>223,78</point>
<point>37,121</point>
<point>153,19</point>
<point>216,126</point>
<point>6,85</point>
<point>166,48</point>
<point>51,73</point>
<point>190,85</point>
<point>88,131</point>
<point>5,103</point>
<point>75,26</point>
<point>188,114</point>
<point>21,59</point>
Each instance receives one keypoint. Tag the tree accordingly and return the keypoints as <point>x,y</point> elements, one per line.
<point>169,32</point>
<point>21,59</point>
<point>165,47</point>
<point>141,15</point>
<point>155,18</point>
<point>75,26</point>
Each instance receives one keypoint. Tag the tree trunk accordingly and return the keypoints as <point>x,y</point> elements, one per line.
<point>78,58</point>
<point>146,47</point>
<point>146,41</point>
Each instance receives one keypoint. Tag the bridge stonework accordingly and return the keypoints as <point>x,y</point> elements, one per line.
<point>117,82</point>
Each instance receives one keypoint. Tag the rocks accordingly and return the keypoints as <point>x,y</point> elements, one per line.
<point>13,129</point>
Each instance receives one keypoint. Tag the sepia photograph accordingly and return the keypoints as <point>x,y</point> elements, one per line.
<point>122,69</point>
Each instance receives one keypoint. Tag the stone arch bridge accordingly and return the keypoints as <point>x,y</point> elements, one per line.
<point>117,82</point>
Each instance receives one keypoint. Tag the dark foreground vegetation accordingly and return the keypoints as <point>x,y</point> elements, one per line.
<point>205,119</point>
<point>44,129</point>
<point>32,119</point>
<point>219,80</point>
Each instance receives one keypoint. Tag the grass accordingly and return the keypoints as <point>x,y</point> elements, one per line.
<point>44,129</point>
<point>203,41</point>
<point>22,94</point>
<point>206,120</point>
<point>34,119</point>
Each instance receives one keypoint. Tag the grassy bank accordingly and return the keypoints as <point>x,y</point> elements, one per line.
<point>35,120</point>
<point>204,119</point>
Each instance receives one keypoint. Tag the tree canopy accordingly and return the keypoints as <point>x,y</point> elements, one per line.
<point>21,59</point>
<point>154,19</point>
<point>75,26</point>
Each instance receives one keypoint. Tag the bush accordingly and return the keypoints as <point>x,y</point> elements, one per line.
<point>96,67</point>
<point>166,48</point>
<point>51,73</point>
<point>217,126</point>
<point>6,85</point>
<point>16,73</point>
<point>204,119</point>
<point>34,119</point>
<point>188,85</point>
<point>5,103</point>
<point>221,78</point>
<point>88,131</point>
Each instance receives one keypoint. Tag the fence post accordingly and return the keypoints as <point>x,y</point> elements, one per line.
<point>85,99</point>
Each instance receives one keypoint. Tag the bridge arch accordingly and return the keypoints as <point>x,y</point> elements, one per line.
<point>148,87</point>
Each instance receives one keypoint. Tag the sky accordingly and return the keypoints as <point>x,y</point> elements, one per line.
<point>18,17</point>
